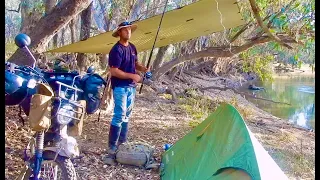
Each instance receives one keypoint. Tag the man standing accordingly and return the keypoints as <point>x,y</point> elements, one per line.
<point>123,65</point>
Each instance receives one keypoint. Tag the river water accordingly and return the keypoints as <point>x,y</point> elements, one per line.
<point>299,92</point>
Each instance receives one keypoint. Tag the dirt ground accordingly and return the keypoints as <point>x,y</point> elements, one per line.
<point>158,121</point>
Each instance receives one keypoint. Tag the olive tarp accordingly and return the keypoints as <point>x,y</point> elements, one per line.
<point>221,147</point>
<point>194,20</point>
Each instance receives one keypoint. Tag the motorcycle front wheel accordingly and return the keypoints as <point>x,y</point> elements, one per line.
<point>60,168</point>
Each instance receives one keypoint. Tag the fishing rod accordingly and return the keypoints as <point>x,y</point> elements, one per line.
<point>164,10</point>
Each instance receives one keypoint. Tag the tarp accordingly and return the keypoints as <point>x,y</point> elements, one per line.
<point>221,147</point>
<point>194,20</point>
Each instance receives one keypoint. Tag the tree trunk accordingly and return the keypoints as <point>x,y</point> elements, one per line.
<point>159,58</point>
<point>24,13</point>
<point>155,7</point>
<point>49,5</point>
<point>135,9</point>
<point>144,59</point>
<point>29,16</point>
<point>72,31</point>
<point>62,36</point>
<point>47,27</point>
<point>107,22</point>
<point>103,61</point>
<point>84,34</point>
<point>105,16</point>
<point>55,40</point>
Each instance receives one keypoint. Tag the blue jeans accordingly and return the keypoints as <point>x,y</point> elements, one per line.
<point>123,104</point>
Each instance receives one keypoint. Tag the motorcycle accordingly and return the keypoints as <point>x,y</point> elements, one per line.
<point>56,104</point>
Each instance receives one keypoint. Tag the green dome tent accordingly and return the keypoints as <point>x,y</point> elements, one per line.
<point>221,147</point>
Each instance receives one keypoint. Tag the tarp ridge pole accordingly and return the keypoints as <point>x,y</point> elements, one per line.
<point>155,39</point>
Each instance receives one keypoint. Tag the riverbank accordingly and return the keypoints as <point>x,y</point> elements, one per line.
<point>287,72</point>
<point>291,147</point>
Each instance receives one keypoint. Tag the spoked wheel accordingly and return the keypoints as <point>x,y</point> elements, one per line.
<point>50,170</point>
<point>59,169</point>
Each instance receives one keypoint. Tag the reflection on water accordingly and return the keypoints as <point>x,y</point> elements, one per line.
<point>301,117</point>
<point>297,91</point>
<point>306,89</point>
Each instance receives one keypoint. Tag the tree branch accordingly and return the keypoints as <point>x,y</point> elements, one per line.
<point>264,27</point>
<point>244,28</point>
<point>217,52</point>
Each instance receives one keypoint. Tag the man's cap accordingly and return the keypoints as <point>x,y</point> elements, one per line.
<point>123,25</point>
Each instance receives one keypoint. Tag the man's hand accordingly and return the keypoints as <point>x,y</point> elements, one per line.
<point>142,68</point>
<point>136,78</point>
<point>148,69</point>
<point>123,75</point>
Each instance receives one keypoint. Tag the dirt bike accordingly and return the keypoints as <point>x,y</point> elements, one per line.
<point>55,103</point>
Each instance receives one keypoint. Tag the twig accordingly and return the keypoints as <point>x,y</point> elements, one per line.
<point>13,10</point>
<point>160,107</point>
<point>9,129</point>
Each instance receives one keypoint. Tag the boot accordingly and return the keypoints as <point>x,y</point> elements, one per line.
<point>113,138</point>
<point>124,133</point>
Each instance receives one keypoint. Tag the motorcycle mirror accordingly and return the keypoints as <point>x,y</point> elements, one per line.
<point>22,40</point>
<point>91,70</point>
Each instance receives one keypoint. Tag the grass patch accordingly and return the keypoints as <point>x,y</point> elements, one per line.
<point>167,96</point>
<point>290,157</point>
<point>198,107</point>
<point>244,111</point>
<point>294,163</point>
<point>194,123</point>
<point>286,138</point>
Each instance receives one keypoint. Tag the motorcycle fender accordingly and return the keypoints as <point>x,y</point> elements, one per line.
<point>55,149</point>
